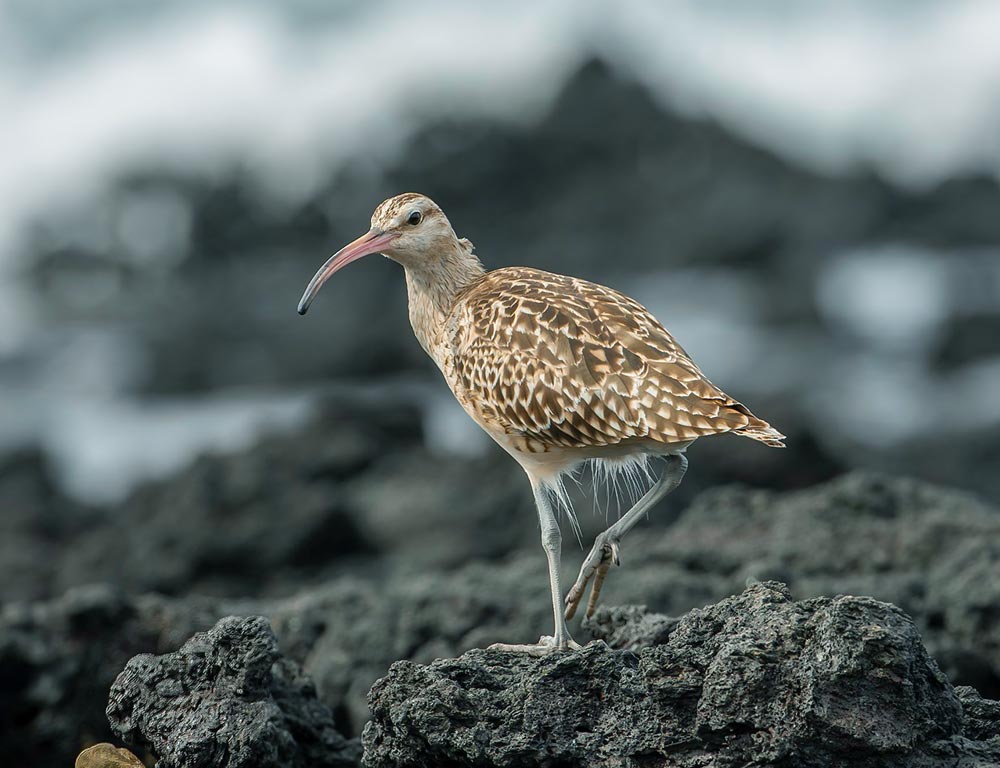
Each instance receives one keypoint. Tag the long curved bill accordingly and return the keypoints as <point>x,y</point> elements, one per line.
<point>372,241</point>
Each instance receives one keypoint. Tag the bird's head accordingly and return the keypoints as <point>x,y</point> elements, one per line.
<point>410,229</point>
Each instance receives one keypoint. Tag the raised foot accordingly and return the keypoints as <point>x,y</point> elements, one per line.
<point>604,554</point>
<point>546,644</point>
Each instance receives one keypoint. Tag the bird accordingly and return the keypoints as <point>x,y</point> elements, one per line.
<point>558,371</point>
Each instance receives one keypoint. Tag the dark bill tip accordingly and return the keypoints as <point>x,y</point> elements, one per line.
<point>307,298</point>
<point>370,242</point>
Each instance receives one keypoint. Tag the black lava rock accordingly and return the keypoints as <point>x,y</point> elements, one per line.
<point>930,550</point>
<point>933,552</point>
<point>629,627</point>
<point>226,699</point>
<point>982,716</point>
<point>755,679</point>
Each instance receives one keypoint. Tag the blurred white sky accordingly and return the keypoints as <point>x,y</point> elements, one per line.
<point>293,89</point>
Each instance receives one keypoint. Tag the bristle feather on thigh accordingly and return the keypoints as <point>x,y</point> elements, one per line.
<point>556,487</point>
<point>626,478</point>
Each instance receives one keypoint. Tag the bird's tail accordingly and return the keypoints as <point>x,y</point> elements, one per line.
<point>754,428</point>
<point>760,430</point>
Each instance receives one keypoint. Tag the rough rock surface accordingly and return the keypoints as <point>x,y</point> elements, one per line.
<point>929,550</point>
<point>226,699</point>
<point>754,679</point>
<point>982,716</point>
<point>629,627</point>
<point>59,658</point>
<point>932,551</point>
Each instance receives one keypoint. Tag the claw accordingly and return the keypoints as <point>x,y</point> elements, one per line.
<point>602,555</point>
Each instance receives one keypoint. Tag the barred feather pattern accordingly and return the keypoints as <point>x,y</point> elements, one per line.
<point>556,363</point>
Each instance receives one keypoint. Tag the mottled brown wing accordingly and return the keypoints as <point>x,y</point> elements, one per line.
<point>566,363</point>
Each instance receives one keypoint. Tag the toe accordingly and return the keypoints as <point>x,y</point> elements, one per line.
<point>572,602</point>
<point>595,589</point>
<point>545,645</point>
<point>615,549</point>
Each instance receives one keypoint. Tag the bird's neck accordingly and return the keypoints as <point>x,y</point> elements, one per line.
<point>433,290</point>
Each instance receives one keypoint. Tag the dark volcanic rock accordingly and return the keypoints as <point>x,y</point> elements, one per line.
<point>351,487</point>
<point>932,551</point>
<point>59,658</point>
<point>755,679</point>
<point>226,699</point>
<point>629,627</point>
<point>982,716</point>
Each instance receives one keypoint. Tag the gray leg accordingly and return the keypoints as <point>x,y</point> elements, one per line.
<point>552,543</point>
<point>606,546</point>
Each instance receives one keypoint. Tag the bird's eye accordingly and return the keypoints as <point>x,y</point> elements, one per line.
<point>413,218</point>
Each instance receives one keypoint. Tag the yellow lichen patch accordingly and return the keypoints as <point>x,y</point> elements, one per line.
<point>107,756</point>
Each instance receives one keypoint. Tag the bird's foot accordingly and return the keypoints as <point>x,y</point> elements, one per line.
<point>546,644</point>
<point>604,554</point>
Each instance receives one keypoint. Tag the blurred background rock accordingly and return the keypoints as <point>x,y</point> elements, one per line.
<point>808,199</point>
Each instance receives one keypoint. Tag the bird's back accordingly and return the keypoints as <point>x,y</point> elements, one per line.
<point>563,363</point>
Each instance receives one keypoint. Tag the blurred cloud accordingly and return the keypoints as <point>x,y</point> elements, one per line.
<point>218,86</point>
<point>292,92</point>
<point>893,297</point>
<point>104,470</point>
<point>911,87</point>
<point>154,227</point>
